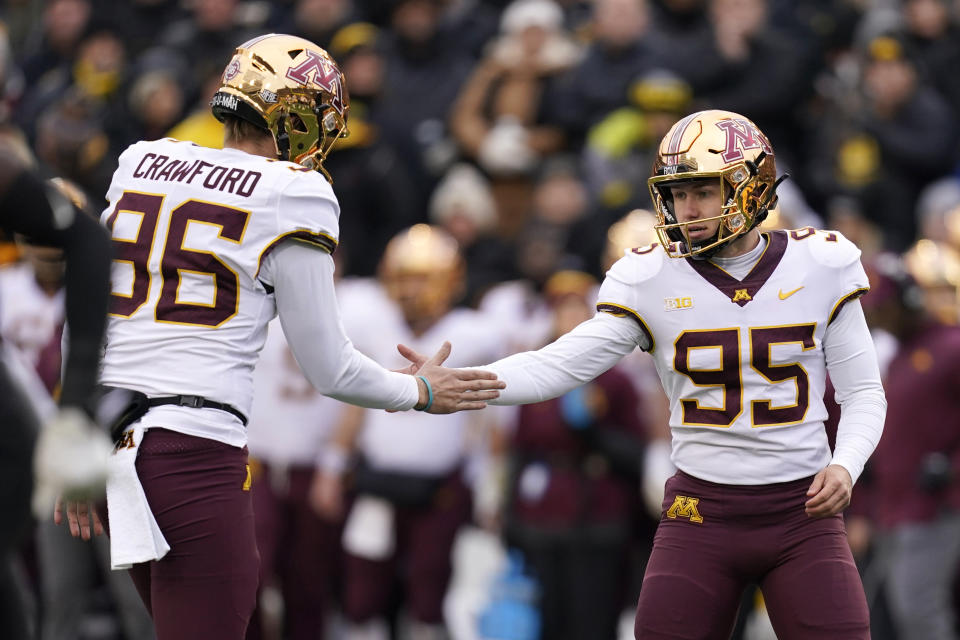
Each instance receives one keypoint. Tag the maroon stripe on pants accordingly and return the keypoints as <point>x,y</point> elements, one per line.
<point>749,534</point>
<point>205,587</point>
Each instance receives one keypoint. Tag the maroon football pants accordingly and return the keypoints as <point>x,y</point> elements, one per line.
<point>424,539</point>
<point>748,534</point>
<point>205,587</point>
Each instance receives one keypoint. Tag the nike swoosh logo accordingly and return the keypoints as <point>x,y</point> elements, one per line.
<point>784,296</point>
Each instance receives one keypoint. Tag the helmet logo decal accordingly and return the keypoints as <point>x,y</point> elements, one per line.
<point>741,135</point>
<point>231,71</point>
<point>319,71</point>
<point>224,100</point>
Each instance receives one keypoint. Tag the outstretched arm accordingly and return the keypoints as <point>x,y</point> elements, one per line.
<point>570,361</point>
<point>302,276</point>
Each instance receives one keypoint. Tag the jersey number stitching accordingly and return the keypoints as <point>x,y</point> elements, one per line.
<point>177,259</point>
<point>728,376</point>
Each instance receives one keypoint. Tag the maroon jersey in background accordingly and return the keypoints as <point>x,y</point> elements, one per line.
<point>923,416</point>
<point>577,489</point>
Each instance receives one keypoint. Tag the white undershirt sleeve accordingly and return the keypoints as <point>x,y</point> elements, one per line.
<point>572,360</point>
<point>302,276</point>
<point>852,364</point>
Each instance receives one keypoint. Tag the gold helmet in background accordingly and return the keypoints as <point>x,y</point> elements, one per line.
<point>636,229</point>
<point>423,271</point>
<point>936,269</point>
<point>291,88</point>
<point>721,145</point>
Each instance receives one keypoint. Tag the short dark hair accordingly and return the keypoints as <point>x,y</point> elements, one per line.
<point>237,129</point>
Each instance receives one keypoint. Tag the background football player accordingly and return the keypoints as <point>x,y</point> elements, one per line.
<point>412,479</point>
<point>743,328</point>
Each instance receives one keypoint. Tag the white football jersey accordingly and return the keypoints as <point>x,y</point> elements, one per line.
<point>742,360</point>
<point>191,227</point>
<point>291,421</point>
<point>29,317</point>
<point>411,441</point>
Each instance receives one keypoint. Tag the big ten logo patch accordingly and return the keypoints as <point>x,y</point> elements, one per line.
<point>685,507</point>
<point>125,441</point>
<point>677,304</point>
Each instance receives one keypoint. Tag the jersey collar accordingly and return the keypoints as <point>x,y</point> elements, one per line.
<point>743,291</point>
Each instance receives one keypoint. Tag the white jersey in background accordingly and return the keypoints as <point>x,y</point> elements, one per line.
<point>742,359</point>
<point>192,227</point>
<point>414,442</point>
<point>291,421</point>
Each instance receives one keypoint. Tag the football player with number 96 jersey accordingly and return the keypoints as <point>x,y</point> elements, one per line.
<point>743,327</point>
<point>211,244</point>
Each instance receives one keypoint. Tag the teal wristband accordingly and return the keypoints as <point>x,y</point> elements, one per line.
<point>429,394</point>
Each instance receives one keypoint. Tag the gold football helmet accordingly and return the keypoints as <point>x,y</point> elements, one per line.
<point>291,88</point>
<point>936,269</point>
<point>636,229</point>
<point>423,271</point>
<point>720,145</point>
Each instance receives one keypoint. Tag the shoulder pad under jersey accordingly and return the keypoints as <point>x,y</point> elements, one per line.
<point>827,248</point>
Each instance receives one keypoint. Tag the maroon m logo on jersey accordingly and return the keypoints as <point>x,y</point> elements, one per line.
<point>741,135</point>
<point>319,71</point>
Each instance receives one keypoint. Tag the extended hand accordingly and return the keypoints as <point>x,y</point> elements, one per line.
<point>453,389</point>
<point>829,492</point>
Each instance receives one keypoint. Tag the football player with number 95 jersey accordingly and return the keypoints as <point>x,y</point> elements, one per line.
<point>211,244</point>
<point>743,327</point>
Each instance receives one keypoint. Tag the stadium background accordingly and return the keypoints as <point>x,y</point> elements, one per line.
<point>527,129</point>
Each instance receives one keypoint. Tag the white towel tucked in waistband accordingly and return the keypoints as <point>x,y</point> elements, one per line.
<point>134,533</point>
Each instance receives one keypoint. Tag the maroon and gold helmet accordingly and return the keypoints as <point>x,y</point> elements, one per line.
<point>291,88</point>
<point>720,145</point>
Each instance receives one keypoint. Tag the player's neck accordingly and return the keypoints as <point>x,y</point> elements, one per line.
<point>255,146</point>
<point>744,244</point>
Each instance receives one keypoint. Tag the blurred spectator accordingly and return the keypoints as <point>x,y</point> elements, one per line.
<point>576,464</point>
<point>94,78</point>
<point>934,35</point>
<point>208,35</point>
<point>501,118</point>
<point>200,126</point>
<point>880,147</point>
<point>424,73</point>
<point>684,23</point>
<point>620,150</point>
<point>318,20</point>
<point>741,48</point>
<point>64,23</point>
<point>916,467</point>
<point>71,140</point>
<point>619,52</point>
<point>374,184</point>
<point>300,556</point>
<point>463,206</point>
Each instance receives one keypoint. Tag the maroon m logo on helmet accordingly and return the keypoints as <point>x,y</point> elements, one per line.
<point>741,135</point>
<point>319,71</point>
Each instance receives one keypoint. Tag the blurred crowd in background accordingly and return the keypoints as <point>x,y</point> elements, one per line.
<point>523,132</point>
